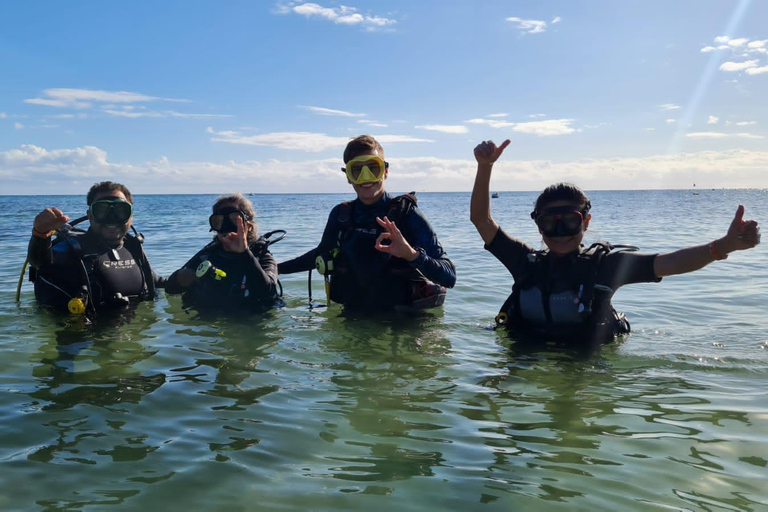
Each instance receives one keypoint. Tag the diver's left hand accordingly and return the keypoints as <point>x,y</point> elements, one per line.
<point>235,242</point>
<point>398,246</point>
<point>742,234</point>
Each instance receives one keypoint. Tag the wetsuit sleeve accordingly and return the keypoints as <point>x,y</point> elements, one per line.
<point>160,281</point>
<point>307,260</point>
<point>260,273</point>
<point>512,253</point>
<point>432,262</point>
<point>620,268</point>
<point>39,252</point>
<point>172,285</point>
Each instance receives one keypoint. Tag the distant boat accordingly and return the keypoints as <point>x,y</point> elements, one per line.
<point>494,195</point>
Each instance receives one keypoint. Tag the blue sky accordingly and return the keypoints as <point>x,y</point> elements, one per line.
<point>261,96</point>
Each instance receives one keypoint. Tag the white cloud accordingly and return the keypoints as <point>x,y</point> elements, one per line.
<point>497,115</point>
<point>541,128</point>
<point>706,135</point>
<point>491,122</point>
<point>557,19</point>
<point>3,115</point>
<point>738,66</point>
<point>393,139</point>
<point>18,126</point>
<point>545,128</point>
<point>24,170</point>
<point>713,120</point>
<point>745,123</point>
<point>649,129</point>
<point>166,113</point>
<point>758,44</point>
<point>669,121</point>
<point>535,116</point>
<point>342,15</point>
<point>757,71</point>
<point>737,43</point>
<point>374,124</point>
<point>444,128</point>
<point>708,49</point>
<point>669,106</point>
<point>528,26</point>
<point>722,39</point>
<point>300,141</point>
<point>85,98</point>
<point>720,135</point>
<point>331,112</point>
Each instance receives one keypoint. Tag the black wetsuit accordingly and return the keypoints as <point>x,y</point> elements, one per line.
<point>548,295</point>
<point>84,266</point>
<point>250,283</point>
<point>370,280</point>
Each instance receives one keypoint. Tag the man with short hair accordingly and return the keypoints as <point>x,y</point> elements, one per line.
<point>378,252</point>
<point>102,268</point>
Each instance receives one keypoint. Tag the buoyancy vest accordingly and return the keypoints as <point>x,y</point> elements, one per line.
<point>365,278</point>
<point>561,299</point>
<point>56,285</point>
<point>233,289</point>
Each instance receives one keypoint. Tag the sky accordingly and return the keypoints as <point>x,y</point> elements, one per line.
<point>261,96</point>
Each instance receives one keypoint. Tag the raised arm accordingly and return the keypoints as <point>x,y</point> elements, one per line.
<point>741,235</point>
<point>486,153</point>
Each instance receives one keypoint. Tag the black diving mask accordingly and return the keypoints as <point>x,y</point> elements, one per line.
<point>225,220</point>
<point>559,221</point>
<point>111,212</point>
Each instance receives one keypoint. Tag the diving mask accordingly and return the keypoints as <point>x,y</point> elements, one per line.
<point>111,212</point>
<point>559,220</point>
<point>225,220</point>
<point>366,169</point>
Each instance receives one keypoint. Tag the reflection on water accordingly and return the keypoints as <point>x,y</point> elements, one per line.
<point>301,409</point>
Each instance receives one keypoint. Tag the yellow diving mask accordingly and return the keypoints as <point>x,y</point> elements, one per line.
<point>366,169</point>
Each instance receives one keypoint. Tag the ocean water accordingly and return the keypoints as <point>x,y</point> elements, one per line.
<point>302,409</point>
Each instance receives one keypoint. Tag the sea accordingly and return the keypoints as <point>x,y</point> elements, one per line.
<point>302,408</point>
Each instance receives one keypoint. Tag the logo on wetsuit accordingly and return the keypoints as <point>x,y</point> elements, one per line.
<point>119,264</point>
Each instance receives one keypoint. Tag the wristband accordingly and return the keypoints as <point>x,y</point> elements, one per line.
<point>38,234</point>
<point>715,253</point>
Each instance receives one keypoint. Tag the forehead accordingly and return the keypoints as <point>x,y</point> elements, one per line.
<point>367,152</point>
<point>562,203</point>
<point>110,194</point>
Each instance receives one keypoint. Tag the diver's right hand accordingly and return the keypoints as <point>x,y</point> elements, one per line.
<point>487,152</point>
<point>49,219</point>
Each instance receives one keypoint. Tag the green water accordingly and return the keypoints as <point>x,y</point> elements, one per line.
<point>304,409</point>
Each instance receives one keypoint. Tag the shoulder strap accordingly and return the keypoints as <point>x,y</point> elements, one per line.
<point>595,253</point>
<point>134,244</point>
<point>401,206</point>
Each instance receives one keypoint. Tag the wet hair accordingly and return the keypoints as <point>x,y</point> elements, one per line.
<point>360,145</point>
<point>108,186</point>
<point>563,192</point>
<point>242,203</point>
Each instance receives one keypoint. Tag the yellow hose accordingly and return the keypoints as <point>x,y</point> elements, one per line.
<point>21,279</point>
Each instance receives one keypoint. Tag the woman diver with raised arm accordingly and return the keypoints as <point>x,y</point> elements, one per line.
<point>564,291</point>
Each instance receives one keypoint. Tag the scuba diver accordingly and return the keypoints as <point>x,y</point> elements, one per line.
<point>87,271</point>
<point>378,252</point>
<point>563,293</point>
<point>235,271</point>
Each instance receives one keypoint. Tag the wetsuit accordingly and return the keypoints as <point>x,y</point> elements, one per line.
<point>568,298</point>
<point>370,280</point>
<point>250,283</point>
<point>84,266</point>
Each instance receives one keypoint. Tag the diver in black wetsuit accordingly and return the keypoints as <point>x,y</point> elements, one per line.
<point>379,252</point>
<point>564,292</point>
<point>102,268</point>
<point>235,271</point>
